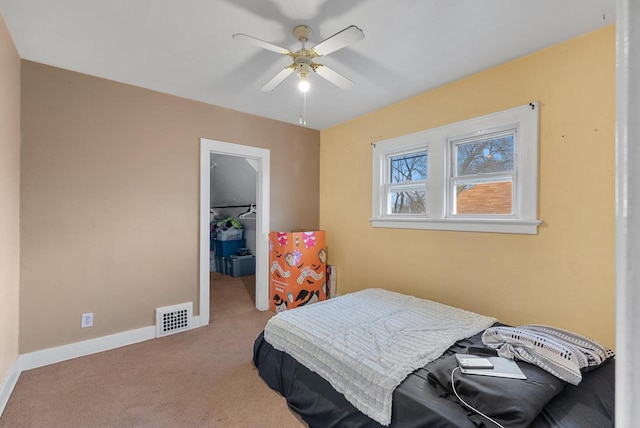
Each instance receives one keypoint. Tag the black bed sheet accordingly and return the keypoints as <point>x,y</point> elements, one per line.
<point>416,403</point>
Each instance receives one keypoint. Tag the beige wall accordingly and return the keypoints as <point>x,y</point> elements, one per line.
<point>562,276</point>
<point>110,199</point>
<point>9,199</point>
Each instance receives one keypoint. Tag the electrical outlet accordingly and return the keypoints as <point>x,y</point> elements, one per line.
<point>87,320</point>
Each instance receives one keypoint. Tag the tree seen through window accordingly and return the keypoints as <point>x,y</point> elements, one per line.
<point>408,168</point>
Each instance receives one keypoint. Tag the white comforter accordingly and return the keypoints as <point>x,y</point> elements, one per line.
<point>366,343</point>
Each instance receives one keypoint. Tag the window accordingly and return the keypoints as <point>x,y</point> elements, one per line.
<point>476,175</point>
<point>483,176</point>
<point>406,187</point>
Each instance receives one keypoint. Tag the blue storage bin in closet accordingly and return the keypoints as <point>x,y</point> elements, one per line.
<point>227,248</point>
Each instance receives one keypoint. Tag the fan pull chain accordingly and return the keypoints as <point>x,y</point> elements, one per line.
<point>303,110</point>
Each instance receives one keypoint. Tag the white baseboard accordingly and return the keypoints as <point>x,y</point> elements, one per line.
<point>58,354</point>
<point>9,383</point>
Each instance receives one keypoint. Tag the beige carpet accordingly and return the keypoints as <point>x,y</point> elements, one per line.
<point>231,296</point>
<point>200,378</point>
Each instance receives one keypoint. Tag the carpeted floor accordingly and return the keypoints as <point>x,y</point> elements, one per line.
<point>231,296</point>
<point>200,378</point>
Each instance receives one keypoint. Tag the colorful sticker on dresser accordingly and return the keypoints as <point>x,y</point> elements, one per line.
<point>306,296</point>
<point>309,239</point>
<point>275,267</point>
<point>307,271</point>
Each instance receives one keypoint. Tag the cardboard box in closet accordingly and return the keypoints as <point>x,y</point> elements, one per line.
<point>297,269</point>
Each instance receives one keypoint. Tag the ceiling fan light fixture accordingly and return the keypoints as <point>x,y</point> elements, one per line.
<point>303,73</point>
<point>303,60</point>
<point>303,84</point>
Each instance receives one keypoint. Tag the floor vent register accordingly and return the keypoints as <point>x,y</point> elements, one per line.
<point>173,319</point>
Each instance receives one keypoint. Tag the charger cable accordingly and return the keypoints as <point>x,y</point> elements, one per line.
<point>468,405</point>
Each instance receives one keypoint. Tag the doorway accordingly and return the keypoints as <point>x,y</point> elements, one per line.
<point>261,159</point>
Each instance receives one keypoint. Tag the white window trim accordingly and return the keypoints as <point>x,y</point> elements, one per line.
<point>437,143</point>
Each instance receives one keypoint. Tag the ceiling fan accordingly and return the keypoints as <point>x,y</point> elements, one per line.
<point>303,59</point>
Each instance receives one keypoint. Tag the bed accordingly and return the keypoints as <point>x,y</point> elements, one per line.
<point>423,398</point>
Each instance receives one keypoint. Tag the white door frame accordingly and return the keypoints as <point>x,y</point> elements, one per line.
<point>627,213</point>
<point>262,156</point>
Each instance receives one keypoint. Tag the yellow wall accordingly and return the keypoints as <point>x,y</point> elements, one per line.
<point>9,200</point>
<point>564,275</point>
<point>110,199</point>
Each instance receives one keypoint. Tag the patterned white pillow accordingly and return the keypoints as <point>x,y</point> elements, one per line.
<point>595,353</point>
<point>562,353</point>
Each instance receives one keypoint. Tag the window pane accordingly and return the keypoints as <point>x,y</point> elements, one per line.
<point>408,202</point>
<point>485,156</point>
<point>484,198</point>
<point>408,167</point>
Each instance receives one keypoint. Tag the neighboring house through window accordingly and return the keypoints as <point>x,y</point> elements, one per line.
<point>475,175</point>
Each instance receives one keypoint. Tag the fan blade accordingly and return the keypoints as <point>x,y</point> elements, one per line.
<point>278,79</point>
<point>262,44</point>
<point>339,40</point>
<point>334,77</point>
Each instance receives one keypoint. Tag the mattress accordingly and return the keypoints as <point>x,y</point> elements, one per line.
<point>378,339</point>
<point>417,403</point>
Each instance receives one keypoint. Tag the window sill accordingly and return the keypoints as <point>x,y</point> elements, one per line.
<point>528,227</point>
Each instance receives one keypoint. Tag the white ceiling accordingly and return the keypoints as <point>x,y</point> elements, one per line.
<point>185,47</point>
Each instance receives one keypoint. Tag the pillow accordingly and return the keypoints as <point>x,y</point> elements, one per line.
<point>595,353</point>
<point>510,402</point>
<point>559,352</point>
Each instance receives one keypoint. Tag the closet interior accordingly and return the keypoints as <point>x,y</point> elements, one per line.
<point>233,215</point>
